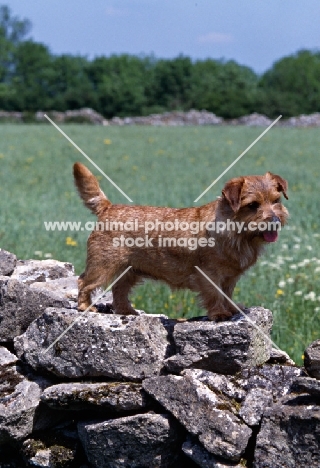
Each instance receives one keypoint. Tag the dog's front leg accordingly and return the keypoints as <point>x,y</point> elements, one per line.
<point>212,299</point>
<point>228,287</point>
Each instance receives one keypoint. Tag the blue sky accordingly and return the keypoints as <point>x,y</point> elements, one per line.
<point>253,32</point>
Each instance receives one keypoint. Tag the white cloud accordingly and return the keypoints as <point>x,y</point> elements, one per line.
<point>215,38</point>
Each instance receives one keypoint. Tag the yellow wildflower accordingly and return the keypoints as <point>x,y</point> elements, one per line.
<point>70,241</point>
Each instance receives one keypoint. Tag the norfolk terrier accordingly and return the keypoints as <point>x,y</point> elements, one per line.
<point>223,238</point>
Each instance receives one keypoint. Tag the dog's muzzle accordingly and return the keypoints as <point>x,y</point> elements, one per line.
<point>271,235</point>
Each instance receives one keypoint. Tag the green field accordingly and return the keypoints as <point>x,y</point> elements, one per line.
<point>170,166</point>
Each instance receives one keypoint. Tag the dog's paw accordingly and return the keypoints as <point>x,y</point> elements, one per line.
<point>127,311</point>
<point>85,308</point>
<point>220,316</point>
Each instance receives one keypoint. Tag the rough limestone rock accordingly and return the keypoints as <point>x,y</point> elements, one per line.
<point>254,120</point>
<point>290,435</point>
<point>6,358</point>
<point>20,305</point>
<point>33,286</point>
<point>114,346</point>
<point>218,383</point>
<point>254,405</point>
<point>262,386</point>
<point>312,359</point>
<point>206,414</point>
<point>63,290</point>
<point>307,385</point>
<point>31,271</point>
<point>19,400</point>
<point>203,458</point>
<point>114,396</point>
<point>173,119</point>
<point>140,441</point>
<point>225,347</point>
<point>237,401</point>
<point>7,263</point>
<point>311,120</point>
<point>278,356</point>
<point>84,115</point>
<point>276,379</point>
<point>53,450</point>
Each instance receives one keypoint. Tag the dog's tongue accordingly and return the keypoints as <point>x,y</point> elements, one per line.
<point>270,236</point>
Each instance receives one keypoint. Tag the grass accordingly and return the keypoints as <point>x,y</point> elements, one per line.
<point>170,166</point>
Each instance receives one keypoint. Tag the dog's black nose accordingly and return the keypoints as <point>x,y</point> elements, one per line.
<point>276,223</point>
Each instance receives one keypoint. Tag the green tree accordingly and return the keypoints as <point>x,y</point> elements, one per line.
<point>170,83</point>
<point>33,77</point>
<point>71,87</point>
<point>292,85</point>
<point>225,88</point>
<point>119,83</point>
<point>12,32</point>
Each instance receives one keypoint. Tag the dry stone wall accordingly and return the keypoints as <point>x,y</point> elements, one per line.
<point>174,118</point>
<point>147,390</point>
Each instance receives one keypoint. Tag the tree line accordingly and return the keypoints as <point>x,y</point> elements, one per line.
<point>32,78</point>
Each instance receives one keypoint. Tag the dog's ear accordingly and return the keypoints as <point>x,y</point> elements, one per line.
<point>232,192</point>
<point>282,183</point>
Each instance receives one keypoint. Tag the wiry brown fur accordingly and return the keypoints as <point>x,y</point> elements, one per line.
<point>224,263</point>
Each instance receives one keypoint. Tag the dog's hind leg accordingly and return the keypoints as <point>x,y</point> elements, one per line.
<point>120,292</point>
<point>87,282</point>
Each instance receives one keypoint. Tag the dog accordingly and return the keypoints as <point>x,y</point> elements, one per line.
<point>167,244</point>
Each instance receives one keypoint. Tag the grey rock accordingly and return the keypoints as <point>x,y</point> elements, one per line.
<point>115,346</point>
<point>140,441</point>
<point>20,305</point>
<point>218,383</point>
<point>203,458</point>
<point>61,289</point>
<point>10,116</point>
<point>173,119</point>
<point>40,456</point>
<point>7,262</point>
<point>31,271</point>
<point>114,396</point>
<point>308,385</point>
<point>289,435</point>
<point>205,414</point>
<point>33,286</point>
<point>312,120</point>
<point>254,120</point>
<point>280,357</point>
<point>52,450</point>
<point>86,115</point>
<point>275,379</point>
<point>19,400</point>
<point>254,405</point>
<point>312,359</point>
<point>6,358</point>
<point>225,347</point>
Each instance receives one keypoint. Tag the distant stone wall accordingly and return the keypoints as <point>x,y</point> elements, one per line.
<point>144,391</point>
<point>175,118</point>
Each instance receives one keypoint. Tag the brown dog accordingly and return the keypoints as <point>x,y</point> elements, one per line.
<point>168,243</point>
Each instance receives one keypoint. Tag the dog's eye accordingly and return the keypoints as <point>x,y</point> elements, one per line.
<point>254,205</point>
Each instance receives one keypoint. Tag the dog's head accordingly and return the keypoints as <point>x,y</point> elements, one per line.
<point>256,201</point>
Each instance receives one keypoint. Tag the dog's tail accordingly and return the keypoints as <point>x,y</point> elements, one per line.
<point>89,190</point>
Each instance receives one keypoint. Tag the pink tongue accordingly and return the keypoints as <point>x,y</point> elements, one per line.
<point>270,236</point>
